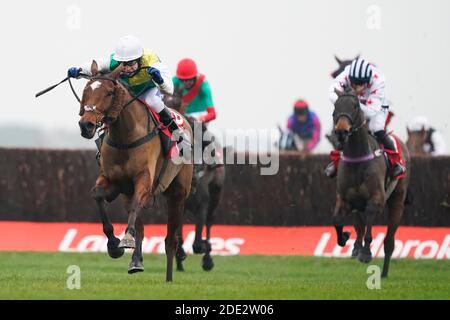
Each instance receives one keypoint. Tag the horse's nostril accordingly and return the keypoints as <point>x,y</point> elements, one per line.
<point>88,126</point>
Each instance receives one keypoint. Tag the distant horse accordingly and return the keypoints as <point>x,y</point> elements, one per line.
<point>416,141</point>
<point>361,181</point>
<point>132,164</point>
<point>207,187</point>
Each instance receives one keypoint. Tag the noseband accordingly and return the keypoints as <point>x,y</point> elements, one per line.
<point>351,117</point>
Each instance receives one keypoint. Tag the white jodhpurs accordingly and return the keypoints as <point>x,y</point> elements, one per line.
<point>378,121</point>
<point>153,98</point>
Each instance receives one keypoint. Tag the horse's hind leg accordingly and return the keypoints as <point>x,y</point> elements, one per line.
<point>180,254</point>
<point>101,192</point>
<point>175,204</point>
<point>215,191</point>
<point>176,194</point>
<point>136,264</point>
<point>199,246</point>
<point>396,207</point>
<point>207,261</point>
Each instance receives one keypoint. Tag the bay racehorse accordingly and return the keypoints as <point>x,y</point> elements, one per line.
<point>132,165</point>
<point>361,181</point>
<point>207,188</point>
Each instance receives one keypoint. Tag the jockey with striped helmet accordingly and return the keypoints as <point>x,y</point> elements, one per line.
<point>369,84</point>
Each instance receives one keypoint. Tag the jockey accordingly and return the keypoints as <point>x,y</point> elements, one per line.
<point>435,142</point>
<point>156,77</point>
<point>305,124</point>
<point>196,92</point>
<point>369,84</point>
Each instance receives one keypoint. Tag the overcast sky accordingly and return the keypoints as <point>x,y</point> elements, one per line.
<point>259,55</point>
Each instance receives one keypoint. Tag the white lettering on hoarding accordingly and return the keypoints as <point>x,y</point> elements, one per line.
<point>426,249</point>
<point>155,244</point>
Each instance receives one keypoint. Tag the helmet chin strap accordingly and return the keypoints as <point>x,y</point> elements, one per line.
<point>135,72</point>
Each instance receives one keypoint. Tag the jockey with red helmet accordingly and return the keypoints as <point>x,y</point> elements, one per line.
<point>196,92</point>
<point>305,124</point>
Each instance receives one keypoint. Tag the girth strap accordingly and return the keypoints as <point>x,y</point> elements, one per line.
<point>134,144</point>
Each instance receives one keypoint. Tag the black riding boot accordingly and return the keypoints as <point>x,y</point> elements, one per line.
<point>167,120</point>
<point>383,138</point>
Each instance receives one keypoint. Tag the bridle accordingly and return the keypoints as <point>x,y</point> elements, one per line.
<point>350,116</point>
<point>100,124</point>
<point>116,85</point>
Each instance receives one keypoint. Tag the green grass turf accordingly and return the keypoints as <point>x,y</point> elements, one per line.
<point>25,275</point>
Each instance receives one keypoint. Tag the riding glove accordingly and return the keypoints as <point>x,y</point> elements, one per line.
<point>156,75</point>
<point>74,72</point>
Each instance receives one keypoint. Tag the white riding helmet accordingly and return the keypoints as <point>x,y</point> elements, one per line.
<point>419,123</point>
<point>128,48</point>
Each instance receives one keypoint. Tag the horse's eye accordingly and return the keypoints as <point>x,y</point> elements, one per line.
<point>111,93</point>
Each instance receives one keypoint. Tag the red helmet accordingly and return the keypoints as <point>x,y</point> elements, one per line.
<point>187,69</point>
<point>301,107</point>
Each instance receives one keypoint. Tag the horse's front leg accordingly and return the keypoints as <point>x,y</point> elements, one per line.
<point>338,221</point>
<point>139,200</point>
<point>137,261</point>
<point>105,191</point>
<point>360,230</point>
<point>373,208</point>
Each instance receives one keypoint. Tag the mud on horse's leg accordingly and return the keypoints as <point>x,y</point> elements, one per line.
<point>338,222</point>
<point>104,191</point>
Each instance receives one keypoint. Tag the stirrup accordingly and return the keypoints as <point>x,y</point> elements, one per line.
<point>330,171</point>
<point>398,170</point>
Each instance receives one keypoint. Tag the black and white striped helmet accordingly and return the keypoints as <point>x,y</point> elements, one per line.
<point>360,71</point>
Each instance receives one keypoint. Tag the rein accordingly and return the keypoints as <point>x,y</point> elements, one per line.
<point>353,130</point>
<point>116,82</point>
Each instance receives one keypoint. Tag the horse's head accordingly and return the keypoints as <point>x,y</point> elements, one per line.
<point>347,116</point>
<point>342,64</point>
<point>103,99</point>
<point>416,141</point>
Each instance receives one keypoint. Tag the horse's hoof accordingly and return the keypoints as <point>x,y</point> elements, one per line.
<point>342,241</point>
<point>198,248</point>
<point>127,243</point>
<point>180,254</point>
<point>180,267</point>
<point>113,249</point>
<point>135,266</point>
<point>365,257</point>
<point>208,263</point>
<point>355,251</point>
<point>116,252</point>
